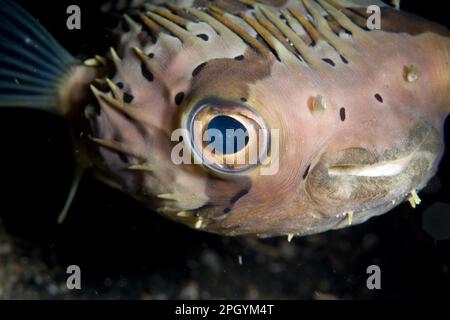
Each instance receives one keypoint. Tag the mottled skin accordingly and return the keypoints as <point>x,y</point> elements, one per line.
<point>374,115</point>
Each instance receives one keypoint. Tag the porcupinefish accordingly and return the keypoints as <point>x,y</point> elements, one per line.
<point>348,121</point>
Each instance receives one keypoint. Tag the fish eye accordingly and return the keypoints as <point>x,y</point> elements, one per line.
<point>227,137</point>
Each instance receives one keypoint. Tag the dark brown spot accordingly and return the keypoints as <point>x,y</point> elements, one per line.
<point>342,114</point>
<point>226,210</point>
<point>199,69</point>
<point>379,98</point>
<point>203,36</point>
<point>146,73</point>
<point>239,58</point>
<point>329,61</point>
<point>347,32</point>
<point>244,99</point>
<point>127,98</point>
<point>151,55</point>
<point>120,85</point>
<point>299,57</point>
<point>179,98</point>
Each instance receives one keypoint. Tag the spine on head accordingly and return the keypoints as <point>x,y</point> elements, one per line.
<point>32,64</point>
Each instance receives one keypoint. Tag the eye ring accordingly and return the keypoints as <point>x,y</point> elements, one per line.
<point>206,152</point>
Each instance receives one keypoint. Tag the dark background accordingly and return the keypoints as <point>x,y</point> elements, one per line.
<point>126,251</point>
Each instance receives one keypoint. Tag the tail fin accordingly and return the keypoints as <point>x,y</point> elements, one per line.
<point>32,68</point>
<point>32,63</point>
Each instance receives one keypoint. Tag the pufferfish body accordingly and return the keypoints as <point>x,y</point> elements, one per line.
<point>341,122</point>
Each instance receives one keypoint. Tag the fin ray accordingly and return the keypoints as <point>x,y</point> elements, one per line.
<point>36,30</point>
<point>32,63</point>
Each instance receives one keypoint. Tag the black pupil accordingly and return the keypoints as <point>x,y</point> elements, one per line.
<point>234,134</point>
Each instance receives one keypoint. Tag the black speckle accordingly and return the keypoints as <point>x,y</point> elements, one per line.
<point>127,98</point>
<point>344,60</point>
<point>179,98</point>
<point>299,58</point>
<point>348,32</point>
<point>329,61</point>
<point>379,98</point>
<point>305,174</point>
<point>146,73</point>
<point>226,210</point>
<point>203,36</point>
<point>199,69</point>
<point>244,99</point>
<point>120,85</point>
<point>342,114</point>
<point>238,195</point>
<point>239,58</point>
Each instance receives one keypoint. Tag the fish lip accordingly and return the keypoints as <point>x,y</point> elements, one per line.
<point>384,169</point>
<point>380,169</point>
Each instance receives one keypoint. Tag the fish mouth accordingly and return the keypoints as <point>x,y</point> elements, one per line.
<point>361,183</point>
<point>367,182</point>
<point>380,169</point>
<point>360,188</point>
